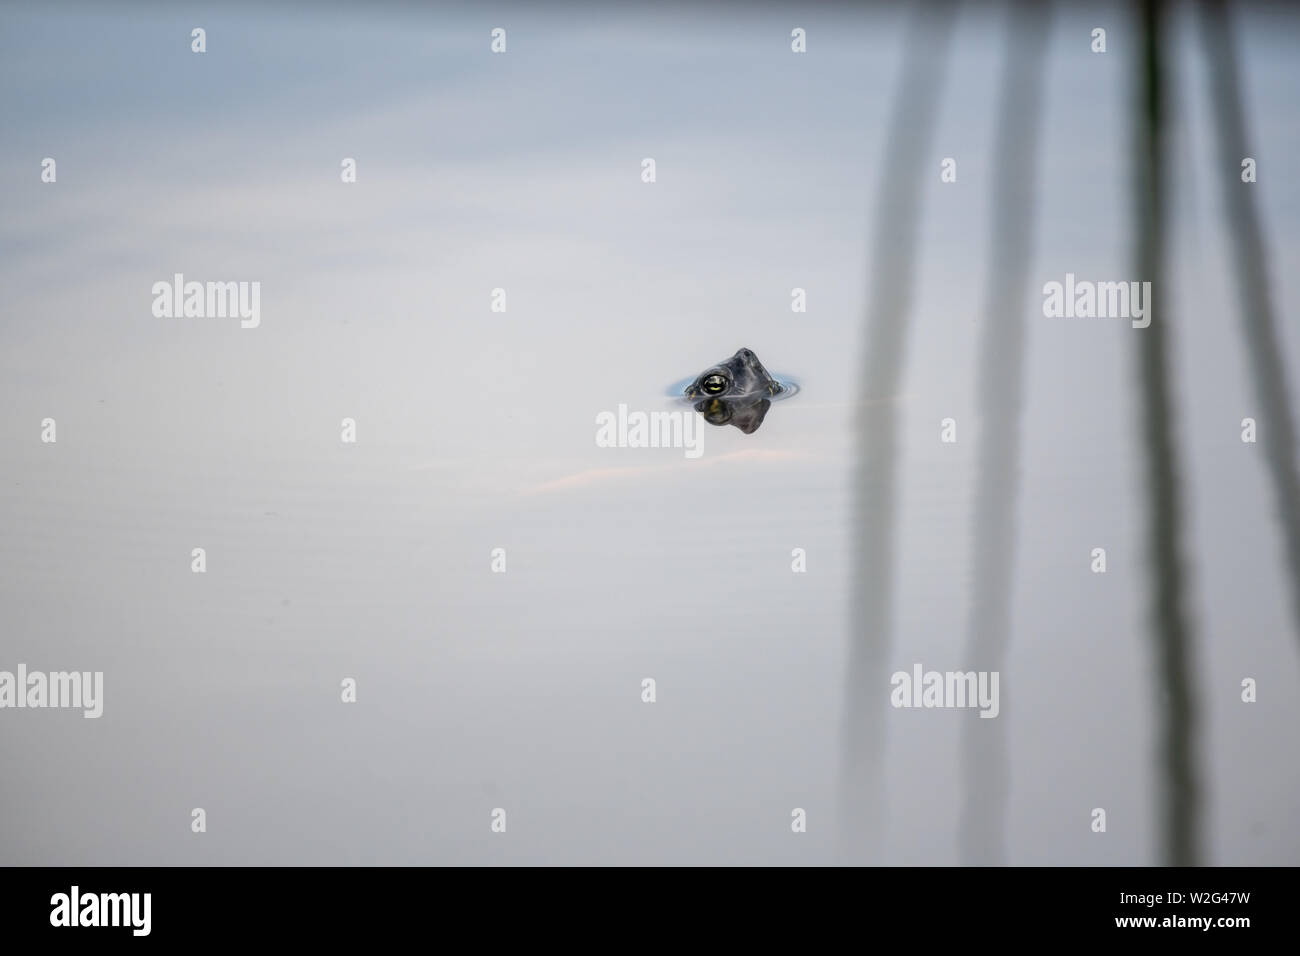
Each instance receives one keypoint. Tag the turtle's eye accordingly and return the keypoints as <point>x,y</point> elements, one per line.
<point>714,384</point>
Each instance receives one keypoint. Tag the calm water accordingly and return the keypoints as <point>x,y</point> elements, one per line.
<point>475,431</point>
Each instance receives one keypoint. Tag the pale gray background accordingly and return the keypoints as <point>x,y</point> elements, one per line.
<point>522,690</point>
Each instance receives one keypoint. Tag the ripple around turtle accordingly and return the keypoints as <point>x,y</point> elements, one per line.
<point>788,389</point>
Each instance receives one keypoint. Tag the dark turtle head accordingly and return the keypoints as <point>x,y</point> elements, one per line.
<point>741,377</point>
<point>737,391</point>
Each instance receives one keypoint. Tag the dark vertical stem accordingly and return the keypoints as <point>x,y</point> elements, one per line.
<point>1259,321</point>
<point>908,169</point>
<point>984,749</point>
<point>1179,804</point>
